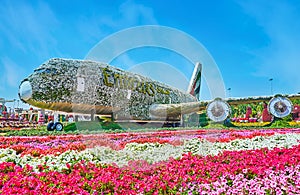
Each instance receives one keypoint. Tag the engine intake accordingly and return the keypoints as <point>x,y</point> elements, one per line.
<point>280,106</point>
<point>218,110</point>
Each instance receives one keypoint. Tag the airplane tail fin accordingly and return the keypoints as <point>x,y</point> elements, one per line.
<point>195,82</point>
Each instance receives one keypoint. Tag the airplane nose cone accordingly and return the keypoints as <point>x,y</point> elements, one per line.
<point>25,91</point>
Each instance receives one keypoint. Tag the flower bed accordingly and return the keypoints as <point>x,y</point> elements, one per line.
<point>117,141</point>
<point>167,162</point>
<point>222,171</point>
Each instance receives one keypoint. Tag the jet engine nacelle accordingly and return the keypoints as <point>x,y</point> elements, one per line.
<point>280,106</point>
<point>218,110</point>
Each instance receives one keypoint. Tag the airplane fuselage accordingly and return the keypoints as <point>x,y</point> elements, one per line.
<point>82,86</point>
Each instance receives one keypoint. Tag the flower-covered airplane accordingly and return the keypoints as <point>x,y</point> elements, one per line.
<point>81,86</point>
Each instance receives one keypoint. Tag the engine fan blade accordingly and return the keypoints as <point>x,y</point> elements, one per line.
<point>280,106</point>
<point>218,110</point>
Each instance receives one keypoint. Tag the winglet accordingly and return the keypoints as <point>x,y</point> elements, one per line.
<point>195,82</point>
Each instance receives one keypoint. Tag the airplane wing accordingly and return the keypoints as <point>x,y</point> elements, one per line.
<point>218,110</point>
<point>162,110</point>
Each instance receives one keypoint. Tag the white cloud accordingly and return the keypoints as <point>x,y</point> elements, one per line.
<point>12,72</point>
<point>162,72</point>
<point>28,27</point>
<point>124,62</point>
<point>280,58</point>
<point>135,14</point>
<point>129,14</point>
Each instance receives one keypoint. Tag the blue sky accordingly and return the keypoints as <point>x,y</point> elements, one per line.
<point>250,41</point>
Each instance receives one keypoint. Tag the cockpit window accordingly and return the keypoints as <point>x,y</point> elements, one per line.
<point>45,70</point>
